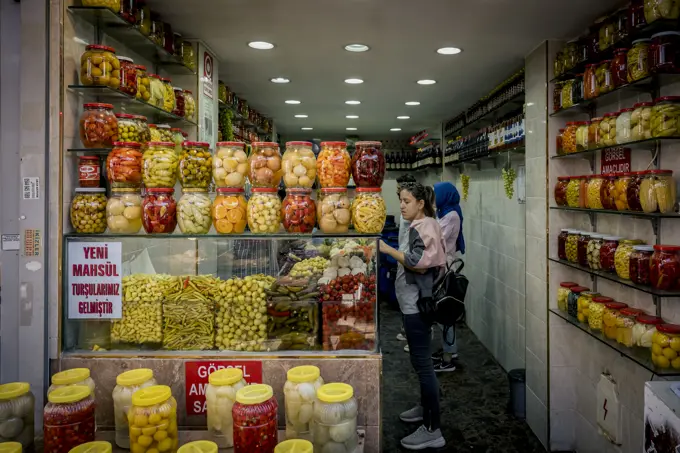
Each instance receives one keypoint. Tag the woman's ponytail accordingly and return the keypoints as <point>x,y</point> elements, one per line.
<point>429,203</point>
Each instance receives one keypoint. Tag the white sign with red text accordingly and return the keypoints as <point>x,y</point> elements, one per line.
<point>95,289</point>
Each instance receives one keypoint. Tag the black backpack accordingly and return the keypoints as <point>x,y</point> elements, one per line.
<point>449,297</point>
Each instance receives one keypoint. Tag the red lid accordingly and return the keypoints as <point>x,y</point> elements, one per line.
<point>626,110</point>
<point>605,61</point>
<point>199,144</point>
<point>100,47</point>
<point>343,144</point>
<point>568,284</point>
<point>299,189</point>
<point>97,105</point>
<point>668,328</point>
<point>643,104</point>
<point>616,305</point>
<point>125,115</point>
<point>610,114</point>
<point>184,134</point>
<point>298,144</point>
<point>590,65</point>
<point>241,144</point>
<point>571,123</point>
<point>263,189</point>
<point>369,189</point>
<point>187,91</point>
<point>153,126</point>
<point>90,157</point>
<point>266,144</point>
<point>599,118</point>
<point>166,80</point>
<point>620,49</point>
<point>127,144</point>
<point>368,143</point>
<point>667,98</point>
<point>171,144</point>
<point>160,190</point>
<point>648,319</point>
<point>563,178</point>
<point>562,130</point>
<point>176,129</point>
<point>579,289</point>
<point>602,299</point>
<point>630,311</point>
<point>659,172</point>
<point>609,175</point>
<point>140,66</point>
<point>140,117</point>
<point>230,190</point>
<point>333,189</point>
<point>155,76</point>
<point>667,248</point>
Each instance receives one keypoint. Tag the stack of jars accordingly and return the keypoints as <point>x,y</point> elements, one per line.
<point>194,210</point>
<point>299,173</point>
<point>159,174</point>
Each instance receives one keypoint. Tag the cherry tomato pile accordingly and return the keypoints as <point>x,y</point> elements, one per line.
<point>98,126</point>
<point>124,165</point>
<point>255,427</point>
<point>158,211</point>
<point>298,211</point>
<point>68,425</point>
<point>349,284</point>
<point>368,164</point>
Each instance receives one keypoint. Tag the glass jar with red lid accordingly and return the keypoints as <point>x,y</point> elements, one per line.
<point>558,143</point>
<point>639,266</point>
<point>128,76</point>
<point>612,319</point>
<point>621,27</point>
<point>99,66</point>
<point>255,419</point>
<point>591,88</point>
<point>569,136</point>
<point>582,248</point>
<point>603,73</point>
<point>572,301</point>
<point>608,192</point>
<point>619,67</point>
<point>607,253</point>
<point>636,15</point>
<point>562,244</point>
<point>563,294</point>
<point>665,267</point>
<point>89,171</point>
<point>666,345</point>
<point>368,164</point>
<point>124,165</point>
<point>626,325</point>
<point>265,165</point>
<point>584,182</point>
<point>159,211</point>
<point>644,328</point>
<point>561,190</point>
<point>557,96</point>
<point>68,418</point>
<point>179,102</point>
<point>664,53</point>
<point>128,10</point>
<point>633,191</point>
<point>333,165</point>
<point>298,211</point>
<point>98,126</point>
<point>595,311</point>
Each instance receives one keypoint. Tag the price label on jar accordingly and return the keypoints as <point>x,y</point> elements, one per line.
<point>615,160</point>
<point>95,280</point>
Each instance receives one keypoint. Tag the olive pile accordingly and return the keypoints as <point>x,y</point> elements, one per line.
<point>309,267</point>
<point>88,211</point>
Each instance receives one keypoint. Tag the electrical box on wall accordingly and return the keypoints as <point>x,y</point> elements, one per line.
<point>608,409</point>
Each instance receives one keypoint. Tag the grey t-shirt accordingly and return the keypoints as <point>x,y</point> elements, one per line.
<point>407,295</point>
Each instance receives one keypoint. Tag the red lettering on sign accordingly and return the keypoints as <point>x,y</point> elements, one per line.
<point>197,373</point>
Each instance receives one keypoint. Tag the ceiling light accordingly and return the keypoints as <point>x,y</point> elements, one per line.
<point>403,117</point>
<point>412,103</point>
<point>354,81</point>
<point>279,80</point>
<point>261,45</point>
<point>300,116</point>
<point>353,102</point>
<point>426,82</point>
<point>356,47</point>
<point>292,101</point>
<point>395,129</point>
<point>352,117</point>
<point>307,128</point>
<point>449,50</point>
<point>350,128</point>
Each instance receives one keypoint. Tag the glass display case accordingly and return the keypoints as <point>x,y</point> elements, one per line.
<point>238,293</point>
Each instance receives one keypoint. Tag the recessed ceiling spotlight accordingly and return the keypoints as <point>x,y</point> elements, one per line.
<point>356,48</point>
<point>352,117</point>
<point>395,129</point>
<point>261,45</point>
<point>307,128</point>
<point>279,80</point>
<point>403,117</point>
<point>292,101</point>
<point>412,103</point>
<point>354,81</point>
<point>353,102</point>
<point>300,116</point>
<point>350,128</point>
<point>449,51</point>
<point>426,82</point>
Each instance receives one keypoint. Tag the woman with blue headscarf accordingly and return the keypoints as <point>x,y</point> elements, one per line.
<point>450,216</point>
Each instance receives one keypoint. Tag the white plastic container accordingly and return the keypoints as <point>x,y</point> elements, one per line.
<point>299,394</point>
<point>128,383</point>
<point>220,395</point>
<point>17,414</point>
<point>334,427</point>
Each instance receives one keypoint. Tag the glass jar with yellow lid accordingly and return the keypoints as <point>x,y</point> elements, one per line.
<point>153,420</point>
<point>300,396</point>
<point>595,311</point>
<point>220,396</point>
<point>612,319</point>
<point>17,419</point>
<point>335,417</point>
<point>584,300</point>
<point>127,384</point>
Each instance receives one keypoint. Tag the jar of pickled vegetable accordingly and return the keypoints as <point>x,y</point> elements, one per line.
<point>333,164</point>
<point>368,210</point>
<point>582,248</point>
<point>177,139</point>
<point>595,139</point>
<point>644,328</point>
<point>568,95</point>
<point>230,164</point>
<point>595,183</point>
<point>335,418</point>
<point>622,257</point>
<point>153,420</point>
<point>657,191</point>
<point>264,210</point>
<point>89,171</point>
<point>88,210</point>
<point>590,87</point>
<point>661,9</point>
<point>562,244</point>
<point>561,190</point>
<point>98,126</point>
<point>582,136</point>
<point>563,294</point>
<point>68,418</point>
<point>333,210</point>
<point>188,55</point>
<point>195,164</point>
<point>583,191</point>
<point>156,34</point>
<point>593,250</point>
<point>557,96</point>
<point>607,253</point>
<point>665,115</point>
<point>619,68</point>
<point>168,95</point>
<point>569,56</point>
<point>298,211</point>
<point>179,109</point>
<point>368,164</point>
<point>220,396</point>
<point>636,15</point>
<point>593,310</point>
<point>143,83</point>
<point>156,91</point>
<point>641,121</point>
<point>626,326</point>
<point>584,301</point>
<point>633,191</point>
<point>571,246</point>
<point>612,319</point>
<point>189,105</point>
<point>128,76</point>
<point>573,191</point>
<point>569,137</point>
<point>99,67</point>
<point>265,165</point>
<point>603,74</point>
<point>640,264</point>
<point>229,210</point>
<point>299,165</point>
<point>666,346</point>
<point>620,191</point>
<point>124,211</point>
<point>127,128</point>
<point>638,60</point>
<point>572,300</point>
<point>607,192</point>
<point>194,211</point>
<point>17,417</point>
<point>128,383</point>
<point>606,34</point>
<point>608,129</point>
<point>161,133</point>
<point>664,52</point>
<point>159,165</point>
<point>144,132</point>
<point>300,395</point>
<point>559,149</point>
<point>623,126</point>
<point>665,267</point>
<point>159,211</point>
<point>577,89</point>
<point>255,419</point>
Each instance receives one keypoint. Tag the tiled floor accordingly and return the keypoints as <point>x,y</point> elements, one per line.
<point>474,397</point>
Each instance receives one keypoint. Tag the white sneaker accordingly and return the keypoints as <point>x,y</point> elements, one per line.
<point>423,438</point>
<point>401,337</point>
<point>406,348</point>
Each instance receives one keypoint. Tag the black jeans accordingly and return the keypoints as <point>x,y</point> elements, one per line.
<point>418,337</point>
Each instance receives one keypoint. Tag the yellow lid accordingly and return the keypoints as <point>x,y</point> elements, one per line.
<point>151,396</point>
<point>199,446</point>
<point>254,394</point>
<point>10,447</point>
<point>13,390</point>
<point>69,394</point>
<point>134,377</point>
<point>305,373</point>
<point>226,376</point>
<point>335,393</point>
<point>294,446</point>
<point>72,376</point>
<point>93,447</point>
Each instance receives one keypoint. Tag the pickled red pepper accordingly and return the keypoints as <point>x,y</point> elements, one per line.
<point>665,267</point>
<point>124,165</point>
<point>333,164</point>
<point>68,419</point>
<point>368,164</point>
<point>255,420</point>
<point>159,211</point>
<point>298,211</point>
